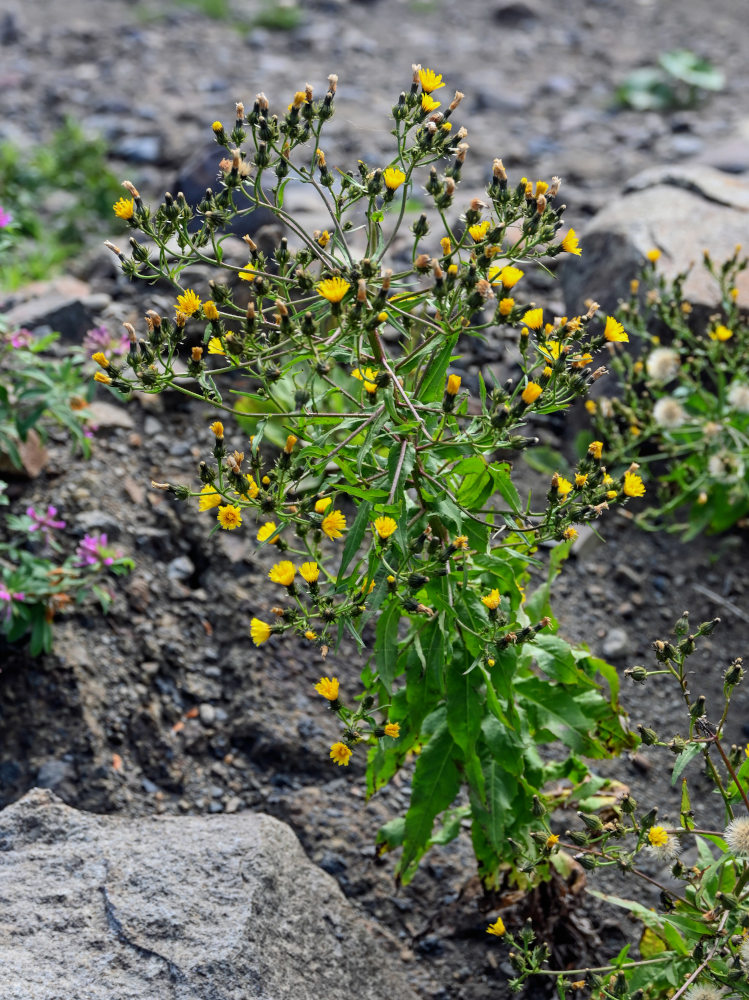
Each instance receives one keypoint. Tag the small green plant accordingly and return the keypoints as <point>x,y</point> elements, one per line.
<point>680,80</point>
<point>277,15</point>
<point>695,945</point>
<point>42,192</point>
<point>37,580</point>
<point>384,488</point>
<point>684,408</point>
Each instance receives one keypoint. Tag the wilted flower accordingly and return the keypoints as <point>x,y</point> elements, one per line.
<point>663,364</point>
<point>669,413</point>
<point>738,396</point>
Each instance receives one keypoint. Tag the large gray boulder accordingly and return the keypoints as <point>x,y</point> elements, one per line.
<point>165,908</point>
<point>679,210</point>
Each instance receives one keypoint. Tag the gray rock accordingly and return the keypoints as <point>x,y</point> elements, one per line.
<point>97,521</point>
<point>176,908</point>
<point>208,717</point>
<point>139,148</point>
<point>681,211</point>
<point>53,772</point>
<point>181,568</point>
<point>616,644</point>
<point>110,415</point>
<point>58,305</point>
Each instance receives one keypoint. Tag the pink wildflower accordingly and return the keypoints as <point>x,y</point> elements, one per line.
<point>9,596</point>
<point>45,523</point>
<point>93,549</point>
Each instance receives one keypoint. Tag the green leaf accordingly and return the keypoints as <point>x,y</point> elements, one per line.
<point>354,538</point>
<point>554,656</point>
<point>433,386</point>
<point>464,708</point>
<point>386,644</point>
<point>689,752</point>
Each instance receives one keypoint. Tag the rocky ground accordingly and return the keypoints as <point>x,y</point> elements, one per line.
<point>164,705</point>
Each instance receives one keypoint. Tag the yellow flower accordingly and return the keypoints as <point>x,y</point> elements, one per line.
<point>341,754</point>
<point>570,533</point>
<point>595,449</point>
<point>446,126</point>
<point>309,572</point>
<point>461,542</point>
<point>215,346</point>
<point>452,270</point>
<point>478,230</point>
<point>322,505</point>
<point>428,103</point>
<point>531,393</point>
<point>265,533</point>
<point>657,836</point>
<point>570,244</point>
<point>323,239</point>
<point>309,634</point>
<point>217,127</point>
<point>551,841</point>
<point>506,305</point>
<point>283,572</point>
<point>101,359</point>
<point>209,309</point>
<point>547,372</point>
<point>653,256</point>
<point>497,928</point>
<point>208,498</point>
<point>453,385</point>
<point>446,245</point>
<point>188,303</point>
<point>334,524</point>
<point>393,178</point>
<point>367,589</point>
<point>124,208</point>
<point>101,377</point>
<point>218,429</point>
<point>393,730</point>
<point>328,688</point>
<point>430,80</point>
<point>610,494</point>
<point>229,517</point>
<point>385,526</point>
<point>581,479</point>
<point>534,318</point>
<point>633,485</point>
<point>509,275</point>
<point>251,490</point>
<point>291,440</point>
<point>260,631</point>
<point>247,273</point>
<point>541,188</point>
<point>590,405</point>
<point>333,289</point>
<point>491,600</point>
<point>584,360</point>
<point>721,333</point>
<point>564,486</point>
<point>614,331</point>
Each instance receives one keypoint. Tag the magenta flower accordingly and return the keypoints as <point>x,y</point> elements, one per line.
<point>100,339</point>
<point>21,338</point>
<point>5,218</point>
<point>45,523</point>
<point>93,550</point>
<point>9,596</point>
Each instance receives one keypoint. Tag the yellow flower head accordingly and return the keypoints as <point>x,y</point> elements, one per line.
<point>428,103</point>
<point>218,429</point>
<point>551,841</point>
<point>328,688</point>
<point>509,275</point>
<point>657,836</point>
<point>323,239</point>
<point>385,526</point>
<point>341,754</point>
<point>453,385</point>
<point>653,256</point>
<point>283,572</point>
<point>590,405</point>
<point>247,273</point>
<point>393,730</point>
<point>497,928</point>
<point>534,318</point>
<point>334,524</point>
<point>614,331</point>
<point>506,305</point>
<point>564,486</point>
<point>393,178</point>
<point>208,498</point>
<point>581,478</point>
<point>260,631</point>
<point>430,80</point>
<point>216,347</point>
<point>570,533</point>
<point>101,377</point>
<point>251,490</point>
<point>101,359</point>
<point>531,393</point>
<point>446,245</point>
<point>721,333</point>
<point>309,572</point>
<point>188,303</point>
<point>229,517</point>
<point>479,230</point>
<point>333,289</point>
<point>461,542</point>
<point>570,243</point>
<point>309,634</point>
<point>541,187</point>
<point>209,310</point>
<point>633,485</point>
<point>266,532</point>
<point>491,600</point>
<point>124,208</point>
<point>217,127</point>
<point>291,440</point>
<point>322,505</point>
<point>595,449</point>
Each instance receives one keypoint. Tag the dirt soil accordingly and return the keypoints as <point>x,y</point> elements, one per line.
<point>164,705</point>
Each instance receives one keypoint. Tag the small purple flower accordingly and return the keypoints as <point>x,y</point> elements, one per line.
<point>45,523</point>
<point>21,338</point>
<point>100,339</point>
<point>92,550</point>
<point>5,218</point>
<point>9,596</point>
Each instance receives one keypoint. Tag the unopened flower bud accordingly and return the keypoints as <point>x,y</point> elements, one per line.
<point>648,736</point>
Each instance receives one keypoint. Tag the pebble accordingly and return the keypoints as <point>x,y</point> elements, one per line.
<point>138,148</point>
<point>181,568</point>
<point>207,714</point>
<point>616,644</point>
<point>232,804</point>
<point>53,772</point>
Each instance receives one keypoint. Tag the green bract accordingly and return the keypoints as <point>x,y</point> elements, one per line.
<point>369,458</point>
